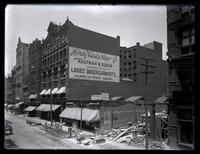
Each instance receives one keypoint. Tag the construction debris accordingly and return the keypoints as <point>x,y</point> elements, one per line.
<point>86,142</point>
<point>99,140</point>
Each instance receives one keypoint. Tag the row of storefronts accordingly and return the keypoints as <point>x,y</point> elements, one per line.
<point>104,114</point>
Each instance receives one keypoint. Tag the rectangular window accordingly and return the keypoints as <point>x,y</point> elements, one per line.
<point>193,39</point>
<point>184,114</point>
<point>185,33</point>
<point>185,9</point>
<point>134,77</point>
<point>185,50</point>
<point>185,41</point>
<point>186,132</point>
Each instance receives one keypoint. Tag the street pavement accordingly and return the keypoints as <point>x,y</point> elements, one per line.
<point>26,136</point>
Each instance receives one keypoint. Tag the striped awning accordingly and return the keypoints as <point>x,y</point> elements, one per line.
<point>48,92</point>
<point>75,113</point>
<point>61,90</point>
<point>47,107</point>
<point>30,108</point>
<point>43,92</point>
<point>54,90</point>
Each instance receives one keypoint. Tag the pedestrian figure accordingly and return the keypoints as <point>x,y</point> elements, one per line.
<point>78,139</point>
<point>95,129</point>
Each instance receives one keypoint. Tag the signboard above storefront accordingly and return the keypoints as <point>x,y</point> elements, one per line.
<point>90,65</point>
<point>95,97</point>
<point>105,96</point>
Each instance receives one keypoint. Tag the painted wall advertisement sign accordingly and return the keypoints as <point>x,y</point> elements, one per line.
<point>90,65</point>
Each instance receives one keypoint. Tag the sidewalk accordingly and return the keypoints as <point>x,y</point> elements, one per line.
<point>64,127</point>
<point>106,145</point>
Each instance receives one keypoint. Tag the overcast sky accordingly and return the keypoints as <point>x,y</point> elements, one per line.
<point>133,23</point>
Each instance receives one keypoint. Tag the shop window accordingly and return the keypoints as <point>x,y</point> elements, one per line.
<point>186,132</point>
<point>185,120</point>
<point>193,48</point>
<point>184,114</point>
<point>184,11</point>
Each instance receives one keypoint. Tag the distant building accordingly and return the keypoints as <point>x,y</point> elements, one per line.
<point>131,66</point>
<point>21,72</point>
<point>181,40</point>
<point>34,70</point>
<point>8,89</point>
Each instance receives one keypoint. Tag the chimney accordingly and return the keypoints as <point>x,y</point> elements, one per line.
<point>118,38</point>
<point>138,43</point>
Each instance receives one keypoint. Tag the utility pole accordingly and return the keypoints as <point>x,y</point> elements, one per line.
<point>146,72</point>
<point>51,98</point>
<point>81,115</point>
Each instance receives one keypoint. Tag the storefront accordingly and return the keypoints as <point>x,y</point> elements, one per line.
<point>31,111</point>
<point>45,111</point>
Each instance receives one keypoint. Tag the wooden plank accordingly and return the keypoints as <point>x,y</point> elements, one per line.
<point>123,133</point>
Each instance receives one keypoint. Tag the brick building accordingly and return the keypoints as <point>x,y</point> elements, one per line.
<point>58,85</point>
<point>55,62</point>
<point>21,72</point>
<point>131,66</point>
<point>34,70</point>
<point>181,39</point>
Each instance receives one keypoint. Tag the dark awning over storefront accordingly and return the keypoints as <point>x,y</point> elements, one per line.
<point>18,104</point>
<point>10,105</point>
<point>47,107</point>
<point>116,98</point>
<point>75,113</point>
<point>33,96</point>
<point>30,108</point>
<point>134,98</point>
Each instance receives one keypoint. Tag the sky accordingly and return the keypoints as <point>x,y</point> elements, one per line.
<point>133,23</point>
